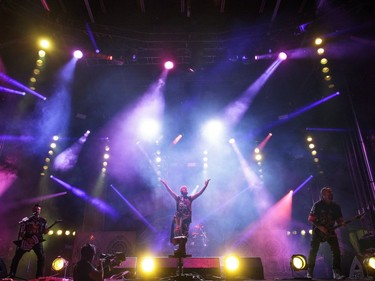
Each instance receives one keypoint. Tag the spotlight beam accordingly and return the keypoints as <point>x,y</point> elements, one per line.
<point>11,91</point>
<point>101,205</point>
<point>134,209</point>
<point>34,200</point>
<point>301,110</point>
<point>236,109</point>
<point>23,87</point>
<point>302,184</point>
<point>91,35</point>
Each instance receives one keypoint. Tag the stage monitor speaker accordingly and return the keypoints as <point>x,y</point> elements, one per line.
<point>249,268</point>
<point>164,267</point>
<point>3,269</point>
<point>204,267</point>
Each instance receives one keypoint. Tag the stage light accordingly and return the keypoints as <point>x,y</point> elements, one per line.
<point>298,262</point>
<point>59,263</point>
<point>147,265</point>
<point>168,65</point>
<point>213,130</point>
<point>283,56</point>
<point>42,53</point>
<point>369,265</point>
<point>318,41</point>
<point>320,51</point>
<point>149,129</point>
<point>242,268</point>
<point>39,62</point>
<point>231,263</point>
<point>44,43</point>
<point>258,157</point>
<point>78,54</point>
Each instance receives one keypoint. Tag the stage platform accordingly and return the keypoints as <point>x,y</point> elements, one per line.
<point>185,278</point>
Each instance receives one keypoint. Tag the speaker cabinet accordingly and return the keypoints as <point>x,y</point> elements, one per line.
<point>165,267</point>
<point>249,268</point>
<point>204,267</point>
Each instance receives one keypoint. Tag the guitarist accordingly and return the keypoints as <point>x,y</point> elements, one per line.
<point>30,237</point>
<point>323,215</point>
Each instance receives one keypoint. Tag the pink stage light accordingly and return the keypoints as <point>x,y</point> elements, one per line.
<point>168,65</point>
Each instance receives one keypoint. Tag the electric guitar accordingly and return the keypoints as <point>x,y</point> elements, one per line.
<point>28,243</point>
<point>331,231</point>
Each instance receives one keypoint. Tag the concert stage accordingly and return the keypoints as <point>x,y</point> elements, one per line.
<point>197,269</point>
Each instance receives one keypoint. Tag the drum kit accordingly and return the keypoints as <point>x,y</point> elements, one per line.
<point>198,238</point>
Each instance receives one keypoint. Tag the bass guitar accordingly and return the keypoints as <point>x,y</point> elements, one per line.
<point>28,243</point>
<point>331,231</point>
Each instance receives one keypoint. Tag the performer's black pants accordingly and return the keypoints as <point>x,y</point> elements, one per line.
<point>335,249</point>
<point>38,250</point>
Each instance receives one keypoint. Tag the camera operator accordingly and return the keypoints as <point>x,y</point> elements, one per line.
<point>84,270</point>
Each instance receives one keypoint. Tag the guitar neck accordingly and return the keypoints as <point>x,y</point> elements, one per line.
<point>52,225</point>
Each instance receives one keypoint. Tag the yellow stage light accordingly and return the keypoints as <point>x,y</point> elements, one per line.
<point>59,263</point>
<point>298,262</point>
<point>44,43</point>
<point>232,263</point>
<point>318,41</point>
<point>320,51</point>
<point>369,262</point>
<point>147,265</point>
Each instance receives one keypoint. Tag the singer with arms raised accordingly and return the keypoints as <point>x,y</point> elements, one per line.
<point>183,215</point>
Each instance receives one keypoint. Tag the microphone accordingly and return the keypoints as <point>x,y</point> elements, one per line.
<point>33,215</point>
<point>24,219</point>
<point>27,218</point>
